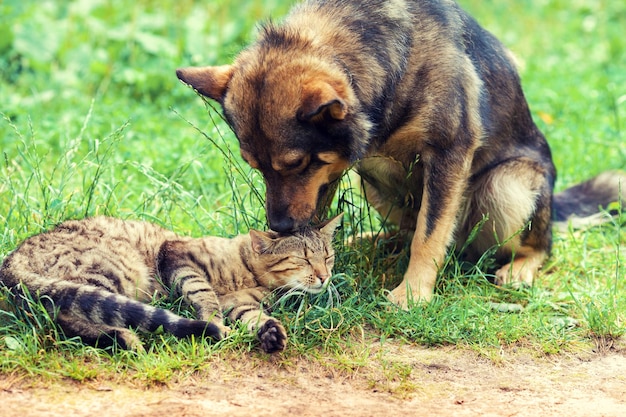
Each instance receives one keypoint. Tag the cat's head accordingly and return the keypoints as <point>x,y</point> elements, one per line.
<point>302,260</point>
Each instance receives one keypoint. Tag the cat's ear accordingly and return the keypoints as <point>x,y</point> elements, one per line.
<point>328,227</point>
<point>261,241</point>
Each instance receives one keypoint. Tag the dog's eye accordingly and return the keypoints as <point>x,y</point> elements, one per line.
<point>291,163</point>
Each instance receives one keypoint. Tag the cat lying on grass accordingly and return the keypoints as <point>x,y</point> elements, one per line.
<point>95,277</point>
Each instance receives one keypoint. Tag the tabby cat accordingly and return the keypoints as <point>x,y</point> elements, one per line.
<point>99,273</point>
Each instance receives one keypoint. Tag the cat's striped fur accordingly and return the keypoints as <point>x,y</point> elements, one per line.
<point>98,274</point>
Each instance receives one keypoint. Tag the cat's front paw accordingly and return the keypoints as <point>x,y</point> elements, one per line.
<point>272,336</point>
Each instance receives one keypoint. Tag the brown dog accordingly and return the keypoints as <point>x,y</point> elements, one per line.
<point>430,108</point>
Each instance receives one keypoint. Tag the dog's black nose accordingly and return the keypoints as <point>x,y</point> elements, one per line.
<point>282,224</point>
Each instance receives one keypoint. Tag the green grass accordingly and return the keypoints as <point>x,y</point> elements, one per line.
<point>95,122</point>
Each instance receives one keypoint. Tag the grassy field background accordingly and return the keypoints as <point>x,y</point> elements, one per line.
<point>94,121</point>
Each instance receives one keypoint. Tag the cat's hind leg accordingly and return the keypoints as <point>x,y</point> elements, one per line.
<point>136,315</point>
<point>99,335</point>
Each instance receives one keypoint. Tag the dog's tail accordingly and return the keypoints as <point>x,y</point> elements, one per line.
<point>583,204</point>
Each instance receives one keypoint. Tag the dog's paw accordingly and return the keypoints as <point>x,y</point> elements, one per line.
<point>518,273</point>
<point>406,299</point>
<point>272,336</point>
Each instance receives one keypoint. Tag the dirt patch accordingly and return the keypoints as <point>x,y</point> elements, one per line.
<point>394,380</point>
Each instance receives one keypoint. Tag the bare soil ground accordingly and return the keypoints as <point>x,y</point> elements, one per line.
<point>393,380</point>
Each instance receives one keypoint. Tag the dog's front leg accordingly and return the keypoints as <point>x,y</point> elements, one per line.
<point>445,179</point>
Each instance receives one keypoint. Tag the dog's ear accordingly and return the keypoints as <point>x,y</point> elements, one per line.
<point>321,102</point>
<point>208,81</point>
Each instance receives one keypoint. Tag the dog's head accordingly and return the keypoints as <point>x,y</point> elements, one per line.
<point>295,122</point>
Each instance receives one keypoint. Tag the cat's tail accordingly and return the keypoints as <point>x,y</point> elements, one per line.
<point>90,312</point>
<point>582,204</point>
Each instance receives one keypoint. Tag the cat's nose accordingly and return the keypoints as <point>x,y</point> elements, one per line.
<point>324,276</point>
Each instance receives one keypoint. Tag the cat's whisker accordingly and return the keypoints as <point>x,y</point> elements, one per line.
<point>333,295</point>
<point>287,291</point>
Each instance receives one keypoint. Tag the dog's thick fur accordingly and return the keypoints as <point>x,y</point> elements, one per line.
<point>426,103</point>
